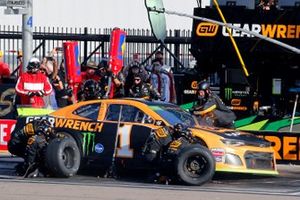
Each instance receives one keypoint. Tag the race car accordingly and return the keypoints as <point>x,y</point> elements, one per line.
<point>115,132</point>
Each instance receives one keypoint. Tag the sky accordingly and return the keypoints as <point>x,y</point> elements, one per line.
<point>101,14</point>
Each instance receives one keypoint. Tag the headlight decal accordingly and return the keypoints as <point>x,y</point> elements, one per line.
<point>233,159</point>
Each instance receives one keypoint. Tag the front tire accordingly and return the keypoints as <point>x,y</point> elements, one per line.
<point>195,165</point>
<point>63,157</point>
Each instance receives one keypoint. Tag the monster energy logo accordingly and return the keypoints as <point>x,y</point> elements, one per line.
<point>228,93</point>
<point>88,143</point>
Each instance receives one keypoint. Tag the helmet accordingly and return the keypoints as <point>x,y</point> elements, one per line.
<point>203,85</point>
<point>203,96</point>
<point>33,65</point>
<point>178,127</point>
<point>103,63</point>
<point>134,64</point>
<point>44,127</point>
<point>134,68</point>
<point>138,75</point>
<point>91,89</point>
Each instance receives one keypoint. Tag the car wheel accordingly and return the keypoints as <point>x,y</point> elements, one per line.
<point>63,157</point>
<point>195,165</point>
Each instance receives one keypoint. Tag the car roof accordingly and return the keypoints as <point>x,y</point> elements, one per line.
<point>141,100</point>
<point>153,102</point>
<point>130,101</point>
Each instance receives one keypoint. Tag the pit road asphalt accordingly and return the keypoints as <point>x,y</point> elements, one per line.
<point>223,187</point>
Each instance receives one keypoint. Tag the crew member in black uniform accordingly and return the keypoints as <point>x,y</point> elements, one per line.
<point>130,71</point>
<point>117,79</point>
<point>210,108</point>
<point>140,89</point>
<point>162,146</point>
<point>29,143</point>
<point>104,76</point>
<point>169,139</point>
<point>90,90</point>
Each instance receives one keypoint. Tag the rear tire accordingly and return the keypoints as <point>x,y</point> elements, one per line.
<point>63,157</point>
<point>195,165</point>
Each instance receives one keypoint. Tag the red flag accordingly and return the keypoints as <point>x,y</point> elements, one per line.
<point>116,53</point>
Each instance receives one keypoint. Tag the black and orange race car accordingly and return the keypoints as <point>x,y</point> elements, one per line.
<point>117,131</point>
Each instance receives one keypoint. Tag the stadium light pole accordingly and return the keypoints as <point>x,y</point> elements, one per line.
<point>27,35</point>
<point>24,7</point>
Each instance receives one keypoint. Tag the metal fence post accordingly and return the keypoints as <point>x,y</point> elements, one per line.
<point>44,49</point>
<point>85,47</point>
<point>177,50</point>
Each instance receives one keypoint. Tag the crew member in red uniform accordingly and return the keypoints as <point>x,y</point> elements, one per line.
<point>33,85</point>
<point>4,68</point>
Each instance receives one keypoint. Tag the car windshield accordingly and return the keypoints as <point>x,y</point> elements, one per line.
<point>174,115</point>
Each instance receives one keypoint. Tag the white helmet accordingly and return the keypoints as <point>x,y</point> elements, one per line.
<point>33,64</point>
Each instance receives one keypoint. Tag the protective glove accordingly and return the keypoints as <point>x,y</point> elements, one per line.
<point>109,73</point>
<point>113,75</point>
<point>40,93</point>
<point>31,94</point>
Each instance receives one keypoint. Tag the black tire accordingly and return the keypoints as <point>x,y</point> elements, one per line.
<point>195,165</point>
<point>63,157</point>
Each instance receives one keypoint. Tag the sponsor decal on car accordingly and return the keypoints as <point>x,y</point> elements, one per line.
<point>88,142</point>
<point>78,125</point>
<point>99,148</point>
<point>218,154</point>
<point>50,119</point>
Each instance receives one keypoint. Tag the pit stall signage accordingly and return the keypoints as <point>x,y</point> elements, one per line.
<point>7,114</point>
<point>6,127</point>
<point>286,145</point>
<point>210,39</point>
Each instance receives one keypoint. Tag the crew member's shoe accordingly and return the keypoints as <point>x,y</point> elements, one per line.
<point>33,174</point>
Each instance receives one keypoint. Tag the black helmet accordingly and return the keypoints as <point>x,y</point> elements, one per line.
<point>33,65</point>
<point>138,75</point>
<point>134,64</point>
<point>103,63</point>
<point>134,68</point>
<point>44,127</point>
<point>203,85</point>
<point>178,127</point>
<point>91,89</point>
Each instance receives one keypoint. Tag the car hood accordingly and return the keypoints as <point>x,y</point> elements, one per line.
<point>232,134</point>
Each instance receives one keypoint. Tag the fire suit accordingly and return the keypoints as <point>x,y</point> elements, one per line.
<point>213,112</point>
<point>26,143</point>
<point>32,87</point>
<point>144,90</point>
